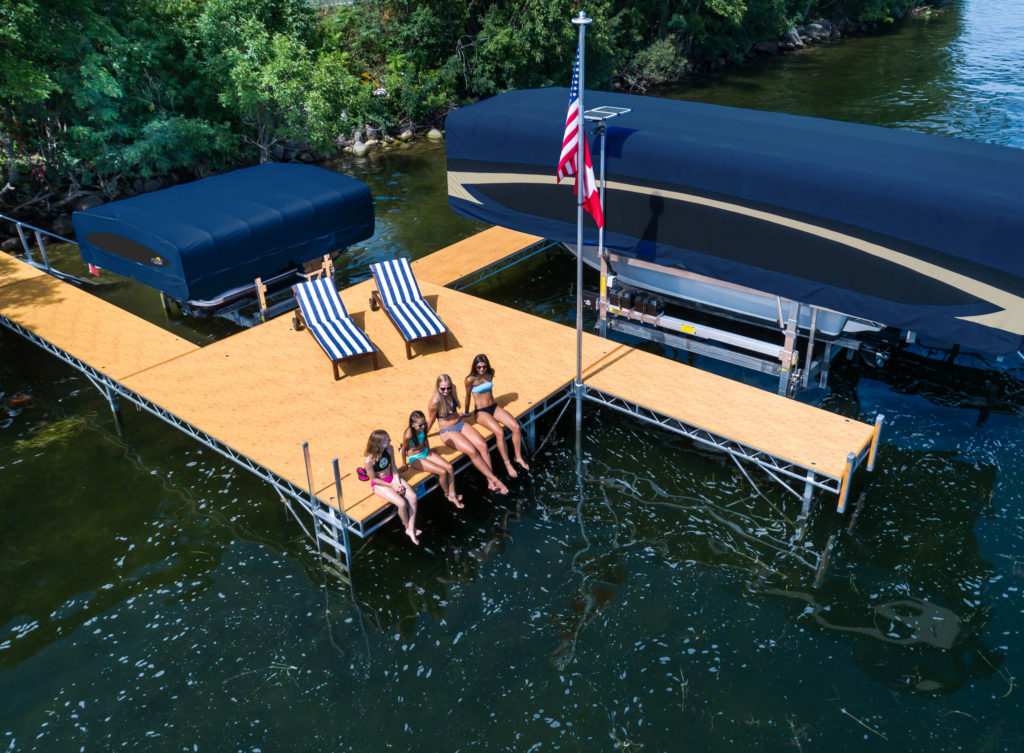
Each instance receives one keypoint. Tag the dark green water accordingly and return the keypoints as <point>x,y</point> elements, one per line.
<point>155,597</point>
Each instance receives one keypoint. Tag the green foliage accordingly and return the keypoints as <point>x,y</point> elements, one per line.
<point>657,63</point>
<point>99,92</point>
<point>885,11</point>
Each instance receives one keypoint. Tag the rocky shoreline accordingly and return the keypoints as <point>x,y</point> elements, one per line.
<point>53,211</point>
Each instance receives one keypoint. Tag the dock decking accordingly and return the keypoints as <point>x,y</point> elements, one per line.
<point>263,392</point>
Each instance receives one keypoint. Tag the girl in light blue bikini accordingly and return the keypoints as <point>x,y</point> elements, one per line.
<point>416,452</point>
<point>480,387</point>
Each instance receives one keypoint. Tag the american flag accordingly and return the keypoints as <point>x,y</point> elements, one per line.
<point>567,160</point>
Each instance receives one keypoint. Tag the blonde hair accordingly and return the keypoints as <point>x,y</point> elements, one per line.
<point>377,436</point>
<point>442,401</point>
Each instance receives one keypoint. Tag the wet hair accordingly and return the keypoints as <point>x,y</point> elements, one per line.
<point>446,404</point>
<point>373,444</point>
<point>484,360</point>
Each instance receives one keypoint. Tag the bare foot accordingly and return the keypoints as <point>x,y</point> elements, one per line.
<point>522,464</point>
<point>511,470</point>
<point>456,499</point>
<point>500,488</point>
<point>413,536</point>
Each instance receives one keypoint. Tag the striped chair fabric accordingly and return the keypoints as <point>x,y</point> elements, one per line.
<point>403,301</point>
<point>329,322</point>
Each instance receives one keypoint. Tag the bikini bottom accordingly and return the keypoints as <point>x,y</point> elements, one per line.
<point>453,427</point>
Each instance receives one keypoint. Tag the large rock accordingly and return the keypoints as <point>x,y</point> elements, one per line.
<point>791,40</point>
<point>151,185</point>
<point>406,135</point>
<point>359,148</point>
<point>767,47</point>
<point>434,134</point>
<point>11,245</point>
<point>820,31</point>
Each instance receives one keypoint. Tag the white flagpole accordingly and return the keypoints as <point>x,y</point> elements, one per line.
<point>581,21</point>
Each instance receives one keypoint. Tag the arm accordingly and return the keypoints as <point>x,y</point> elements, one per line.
<point>406,440</point>
<point>431,413</point>
<point>469,392</point>
<point>371,472</point>
<point>396,477</point>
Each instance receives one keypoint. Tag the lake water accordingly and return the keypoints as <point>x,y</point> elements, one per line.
<point>154,597</point>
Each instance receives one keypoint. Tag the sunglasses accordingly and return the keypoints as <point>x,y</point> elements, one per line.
<point>419,424</point>
<point>481,366</point>
<point>445,389</point>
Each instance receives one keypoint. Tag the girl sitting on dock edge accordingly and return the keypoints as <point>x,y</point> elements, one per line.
<point>386,483</point>
<point>417,454</point>
<point>480,386</point>
<point>457,434</point>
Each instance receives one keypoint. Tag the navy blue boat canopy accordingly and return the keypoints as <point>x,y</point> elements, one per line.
<point>198,240</point>
<point>912,230</point>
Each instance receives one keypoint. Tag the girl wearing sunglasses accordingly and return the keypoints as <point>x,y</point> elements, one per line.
<point>457,434</point>
<point>480,386</point>
<point>416,453</point>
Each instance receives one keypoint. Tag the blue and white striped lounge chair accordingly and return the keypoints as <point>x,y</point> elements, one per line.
<point>323,313</point>
<point>400,297</point>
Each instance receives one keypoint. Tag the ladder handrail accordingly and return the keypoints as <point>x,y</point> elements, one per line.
<point>37,229</point>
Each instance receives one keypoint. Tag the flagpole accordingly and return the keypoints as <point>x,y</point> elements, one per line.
<point>581,21</point>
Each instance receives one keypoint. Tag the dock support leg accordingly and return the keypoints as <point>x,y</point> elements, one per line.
<point>805,508</point>
<point>312,498</point>
<point>530,434</point>
<point>879,419</point>
<point>577,389</point>
<point>115,407</point>
<point>112,401</point>
<point>844,490</point>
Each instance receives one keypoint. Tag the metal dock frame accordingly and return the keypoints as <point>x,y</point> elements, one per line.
<point>774,466</point>
<point>113,391</point>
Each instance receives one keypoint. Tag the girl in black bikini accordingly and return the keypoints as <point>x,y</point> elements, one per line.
<point>416,453</point>
<point>480,386</point>
<point>456,433</point>
<point>386,483</point>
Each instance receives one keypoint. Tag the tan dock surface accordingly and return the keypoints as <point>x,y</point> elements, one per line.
<point>14,270</point>
<point>799,433</point>
<point>107,338</point>
<point>466,257</point>
<point>265,391</point>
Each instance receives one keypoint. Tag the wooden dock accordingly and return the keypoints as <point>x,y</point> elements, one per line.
<point>263,392</point>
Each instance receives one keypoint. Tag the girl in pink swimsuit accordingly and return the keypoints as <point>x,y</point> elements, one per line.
<point>386,483</point>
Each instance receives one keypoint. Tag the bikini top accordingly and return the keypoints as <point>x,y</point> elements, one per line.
<point>482,387</point>
<point>381,464</point>
<point>419,438</point>
<point>455,405</point>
